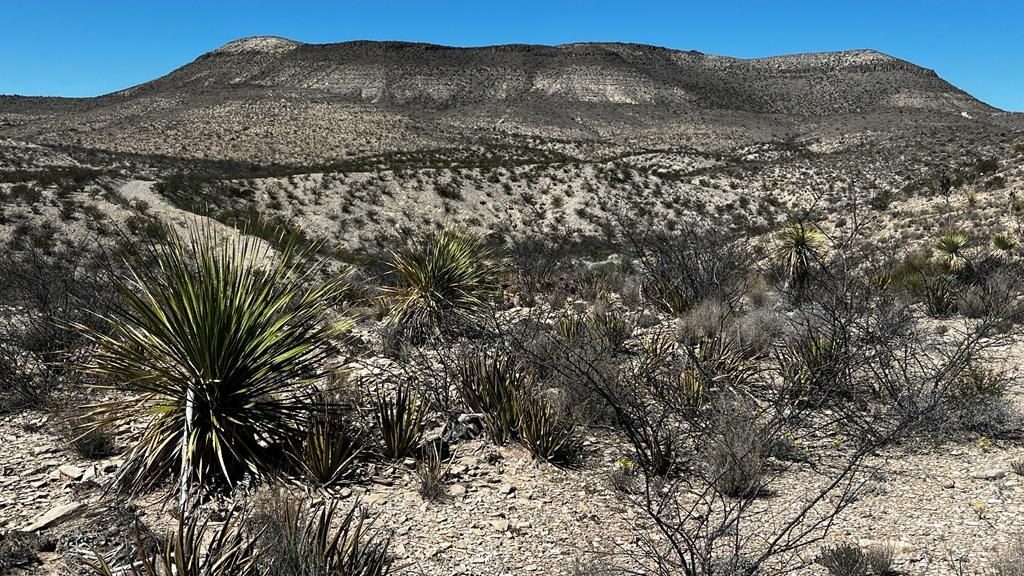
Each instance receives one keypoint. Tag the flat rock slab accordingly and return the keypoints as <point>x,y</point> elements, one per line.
<point>53,516</point>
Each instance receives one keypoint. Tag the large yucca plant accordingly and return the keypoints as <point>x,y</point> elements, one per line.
<point>444,279</point>
<point>400,419</point>
<point>951,247</point>
<point>218,341</point>
<point>798,247</point>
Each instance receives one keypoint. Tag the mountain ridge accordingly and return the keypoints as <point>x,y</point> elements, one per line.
<point>274,99</point>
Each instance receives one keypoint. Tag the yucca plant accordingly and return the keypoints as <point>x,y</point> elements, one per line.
<point>548,433</point>
<point>331,447</point>
<point>571,326</point>
<point>218,341</point>
<point>400,419</point>
<point>447,278</point>
<point>193,549</point>
<point>812,368</point>
<point>951,246</point>
<point>431,472</point>
<point>799,247</point>
<point>312,539</point>
<point>1004,243</point>
<point>494,385</point>
<point>611,327</point>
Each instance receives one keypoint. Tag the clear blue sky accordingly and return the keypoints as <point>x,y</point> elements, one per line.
<point>90,47</point>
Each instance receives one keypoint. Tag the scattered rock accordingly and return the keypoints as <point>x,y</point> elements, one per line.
<point>457,490</point>
<point>991,474</point>
<point>507,488</point>
<point>72,472</point>
<point>53,516</point>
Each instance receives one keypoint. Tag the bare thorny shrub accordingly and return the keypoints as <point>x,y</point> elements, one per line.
<point>854,372</point>
<point>43,290</point>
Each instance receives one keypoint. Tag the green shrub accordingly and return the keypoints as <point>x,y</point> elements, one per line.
<point>227,332</point>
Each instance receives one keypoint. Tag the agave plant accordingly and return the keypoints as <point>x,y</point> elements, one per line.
<point>952,246</point>
<point>193,549</point>
<point>798,247</point>
<point>447,278</point>
<point>217,340</point>
<point>1004,242</point>
<point>400,420</point>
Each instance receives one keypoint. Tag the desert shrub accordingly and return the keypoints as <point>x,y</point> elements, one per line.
<point>400,420</point>
<point>86,438</point>
<point>218,342</point>
<point>194,548</point>
<point>693,265</point>
<point>707,319</point>
<point>494,385</point>
<point>444,280</point>
<point>977,402</point>
<point>44,292</point>
<point>844,560</point>
<point>313,539</point>
<point>737,451</point>
<point>881,559</point>
<point>547,432</point>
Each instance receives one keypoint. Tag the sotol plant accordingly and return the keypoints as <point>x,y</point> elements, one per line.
<point>218,340</point>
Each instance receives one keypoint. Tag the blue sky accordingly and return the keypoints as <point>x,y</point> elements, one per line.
<point>90,47</point>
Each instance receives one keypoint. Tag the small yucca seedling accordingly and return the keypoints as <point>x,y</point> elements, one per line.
<point>330,451</point>
<point>193,549</point>
<point>431,472</point>
<point>972,197</point>
<point>798,247</point>
<point>400,419</point>
<point>691,387</point>
<point>952,246</point>
<point>1004,242</point>
<point>571,326</point>
<point>494,385</point>
<point>314,539</point>
<point>549,434</point>
<point>612,328</point>
<point>448,278</point>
